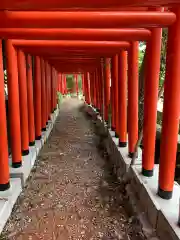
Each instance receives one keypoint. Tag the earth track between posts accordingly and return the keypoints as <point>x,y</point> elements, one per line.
<point>71,193</point>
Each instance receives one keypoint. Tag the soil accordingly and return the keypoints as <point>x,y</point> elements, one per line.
<point>72,193</point>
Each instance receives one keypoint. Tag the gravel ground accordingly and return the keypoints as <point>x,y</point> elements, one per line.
<point>71,193</point>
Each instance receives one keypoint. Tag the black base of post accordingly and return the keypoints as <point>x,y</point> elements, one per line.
<point>116,135</point>
<point>165,194</point>
<point>38,138</point>
<point>16,164</point>
<point>4,186</point>
<point>47,123</point>
<point>43,129</point>
<point>52,111</point>
<point>25,152</point>
<point>131,154</point>
<point>31,143</point>
<point>147,173</point>
<point>98,110</point>
<point>106,121</point>
<point>55,109</point>
<point>122,144</point>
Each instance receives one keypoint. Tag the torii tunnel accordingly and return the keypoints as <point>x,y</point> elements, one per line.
<point>98,40</point>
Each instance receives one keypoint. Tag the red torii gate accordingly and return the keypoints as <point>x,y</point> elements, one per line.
<point>101,19</point>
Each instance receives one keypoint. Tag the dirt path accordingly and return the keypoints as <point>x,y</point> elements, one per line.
<point>71,194</point>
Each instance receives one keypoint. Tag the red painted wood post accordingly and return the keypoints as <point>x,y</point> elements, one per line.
<point>82,77</point>
<point>37,98</point>
<point>132,97</point>
<point>55,89</point>
<point>122,98</point>
<point>57,86</point>
<point>65,85</point>
<point>23,102</point>
<point>52,89</point>
<point>102,71</point>
<point>112,97</point>
<point>95,90</point>
<point>47,90</point>
<point>59,82</point>
<point>43,96</point>
<point>151,85</point>
<point>13,102</point>
<point>30,102</point>
<point>107,88</point>
<point>100,89</point>
<point>115,95</point>
<point>91,87</point>
<point>88,87</point>
<point>4,163</point>
<point>85,86</point>
<point>170,124</point>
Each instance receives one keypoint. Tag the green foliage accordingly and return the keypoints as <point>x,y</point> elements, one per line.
<point>141,56</point>
<point>70,81</point>
<point>163,56</point>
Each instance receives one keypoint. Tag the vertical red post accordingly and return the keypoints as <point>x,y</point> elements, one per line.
<point>63,84</point>
<point>115,93</point>
<point>102,77</point>
<point>4,163</point>
<point>91,88</point>
<point>88,90</point>
<point>107,88</point>
<point>82,77</point>
<point>94,90</point>
<point>85,88</point>
<point>97,91</point>
<point>37,98</point>
<point>122,98</point>
<point>30,102</point>
<point>43,96</point>
<point>170,124</point>
<point>112,98</point>
<point>92,85</point>
<point>13,102</point>
<point>151,84</point>
<point>23,102</point>
<point>133,97</point>
<point>47,90</point>
<point>55,89</point>
<point>52,89</point>
<point>59,82</point>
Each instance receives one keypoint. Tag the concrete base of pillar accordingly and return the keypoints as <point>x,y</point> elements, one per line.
<point>23,171</point>
<point>33,153</point>
<point>162,214</point>
<point>8,199</point>
<point>20,175</point>
<point>156,214</point>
